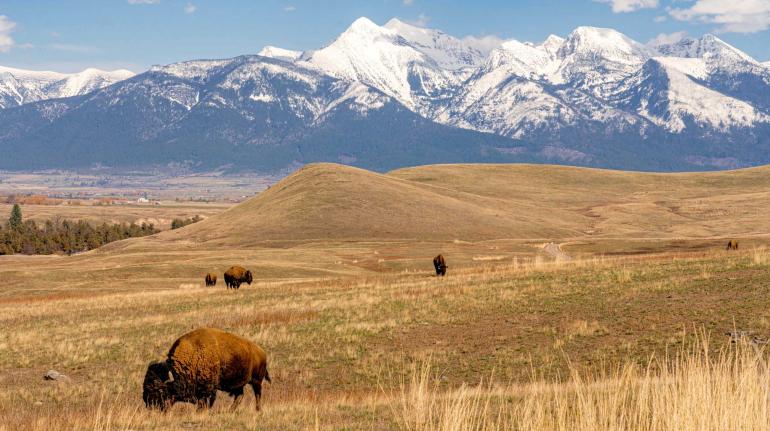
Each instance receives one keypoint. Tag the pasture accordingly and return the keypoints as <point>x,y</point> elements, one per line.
<point>361,334</point>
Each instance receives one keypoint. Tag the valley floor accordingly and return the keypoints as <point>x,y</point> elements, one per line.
<point>358,348</point>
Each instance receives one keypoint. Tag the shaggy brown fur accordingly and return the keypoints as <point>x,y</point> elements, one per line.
<point>211,279</point>
<point>200,363</point>
<point>237,275</point>
<point>732,245</point>
<point>440,264</point>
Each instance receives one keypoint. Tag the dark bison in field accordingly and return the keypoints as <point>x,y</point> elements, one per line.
<point>237,275</point>
<point>211,279</point>
<point>202,362</point>
<point>440,264</point>
<point>732,245</point>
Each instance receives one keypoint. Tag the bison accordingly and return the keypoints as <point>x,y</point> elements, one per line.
<point>237,275</point>
<point>732,245</point>
<point>201,362</point>
<point>211,279</point>
<point>440,264</point>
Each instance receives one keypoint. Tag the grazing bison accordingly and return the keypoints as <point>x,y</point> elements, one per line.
<point>202,362</point>
<point>732,245</point>
<point>440,264</point>
<point>211,279</point>
<point>237,275</point>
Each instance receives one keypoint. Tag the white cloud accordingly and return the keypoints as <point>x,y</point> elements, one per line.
<point>621,6</point>
<point>190,8</point>
<point>667,38</point>
<point>6,27</point>
<point>68,47</point>
<point>421,21</point>
<point>408,2</point>
<point>289,9</point>
<point>660,18</point>
<point>143,1</point>
<point>26,45</point>
<point>732,16</point>
<point>486,43</point>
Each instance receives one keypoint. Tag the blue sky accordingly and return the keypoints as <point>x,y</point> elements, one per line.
<point>69,35</point>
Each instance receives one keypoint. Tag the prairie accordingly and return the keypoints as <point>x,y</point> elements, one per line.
<point>627,334</point>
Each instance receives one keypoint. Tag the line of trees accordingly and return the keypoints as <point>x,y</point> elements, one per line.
<point>179,222</point>
<point>63,236</point>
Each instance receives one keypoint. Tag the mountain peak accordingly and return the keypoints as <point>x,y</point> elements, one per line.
<point>364,25</point>
<point>708,47</point>
<point>552,44</point>
<point>279,53</point>
<point>606,43</point>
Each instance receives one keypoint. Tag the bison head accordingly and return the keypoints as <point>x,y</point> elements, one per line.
<point>158,392</point>
<point>249,279</point>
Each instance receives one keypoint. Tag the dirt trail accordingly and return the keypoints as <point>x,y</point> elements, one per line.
<point>555,251</point>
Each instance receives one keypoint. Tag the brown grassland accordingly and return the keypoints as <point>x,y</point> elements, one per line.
<point>628,334</point>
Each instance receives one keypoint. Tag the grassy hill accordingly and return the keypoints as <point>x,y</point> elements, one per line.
<point>484,202</point>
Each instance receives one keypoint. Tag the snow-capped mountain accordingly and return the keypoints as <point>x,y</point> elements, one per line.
<point>280,53</point>
<point>397,94</point>
<point>413,65</point>
<point>18,86</point>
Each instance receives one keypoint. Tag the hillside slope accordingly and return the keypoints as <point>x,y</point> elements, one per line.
<point>481,202</point>
<point>327,201</point>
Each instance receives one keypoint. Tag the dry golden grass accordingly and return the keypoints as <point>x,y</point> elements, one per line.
<point>346,304</point>
<point>341,348</point>
<point>697,390</point>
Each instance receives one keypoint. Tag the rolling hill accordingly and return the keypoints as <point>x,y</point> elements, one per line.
<point>325,202</point>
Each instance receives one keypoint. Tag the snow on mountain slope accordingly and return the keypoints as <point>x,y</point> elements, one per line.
<point>88,81</point>
<point>719,56</point>
<point>246,83</point>
<point>18,86</point>
<point>593,57</point>
<point>552,44</point>
<point>694,67</point>
<point>665,91</point>
<point>521,59</point>
<point>447,51</point>
<point>380,57</point>
<point>280,53</point>
<point>197,70</point>
<point>511,109</point>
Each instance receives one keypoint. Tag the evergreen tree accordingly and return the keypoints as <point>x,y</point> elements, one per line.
<point>15,222</point>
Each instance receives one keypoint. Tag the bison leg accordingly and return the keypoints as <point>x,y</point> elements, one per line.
<point>237,395</point>
<point>257,386</point>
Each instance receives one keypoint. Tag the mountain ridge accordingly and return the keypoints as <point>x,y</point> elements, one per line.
<point>594,98</point>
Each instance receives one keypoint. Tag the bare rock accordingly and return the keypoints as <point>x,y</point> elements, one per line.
<point>55,375</point>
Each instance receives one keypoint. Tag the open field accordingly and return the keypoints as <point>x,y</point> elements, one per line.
<point>346,304</point>
<point>340,349</point>
<point>160,215</point>
<point>211,186</point>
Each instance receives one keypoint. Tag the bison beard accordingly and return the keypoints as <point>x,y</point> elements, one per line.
<point>156,391</point>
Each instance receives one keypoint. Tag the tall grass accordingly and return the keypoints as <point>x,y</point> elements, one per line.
<point>695,390</point>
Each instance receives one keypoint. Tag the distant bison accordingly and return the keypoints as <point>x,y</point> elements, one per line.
<point>440,264</point>
<point>732,245</point>
<point>200,363</point>
<point>211,279</point>
<point>237,275</point>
